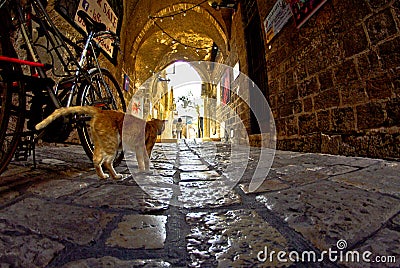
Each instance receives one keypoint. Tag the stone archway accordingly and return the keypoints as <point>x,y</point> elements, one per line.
<point>169,34</point>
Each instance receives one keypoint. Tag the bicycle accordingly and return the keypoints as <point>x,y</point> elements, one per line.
<point>31,89</point>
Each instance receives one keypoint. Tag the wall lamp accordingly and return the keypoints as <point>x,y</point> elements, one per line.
<point>163,79</point>
<point>218,4</point>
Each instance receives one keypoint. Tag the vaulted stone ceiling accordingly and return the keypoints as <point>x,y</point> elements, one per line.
<point>156,33</point>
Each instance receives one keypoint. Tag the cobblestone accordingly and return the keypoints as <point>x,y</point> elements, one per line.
<point>59,221</point>
<point>327,212</point>
<point>150,228</point>
<point>233,237</point>
<point>114,262</point>
<point>191,212</point>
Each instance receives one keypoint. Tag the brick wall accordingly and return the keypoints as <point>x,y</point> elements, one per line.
<point>238,112</point>
<point>335,83</point>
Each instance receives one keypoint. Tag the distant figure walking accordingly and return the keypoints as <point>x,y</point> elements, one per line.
<point>179,126</point>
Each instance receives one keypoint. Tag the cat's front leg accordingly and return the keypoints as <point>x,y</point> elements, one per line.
<point>146,161</point>
<point>109,166</point>
<point>140,154</point>
<point>100,172</point>
<point>97,162</point>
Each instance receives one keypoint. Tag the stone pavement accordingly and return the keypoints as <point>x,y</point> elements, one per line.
<point>321,210</point>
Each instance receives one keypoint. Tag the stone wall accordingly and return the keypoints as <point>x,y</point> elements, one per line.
<point>238,110</point>
<point>335,83</point>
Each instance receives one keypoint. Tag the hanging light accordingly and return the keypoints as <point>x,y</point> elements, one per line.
<point>217,4</point>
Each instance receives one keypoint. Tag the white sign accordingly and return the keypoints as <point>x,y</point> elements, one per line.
<point>277,18</point>
<point>100,11</point>
<point>136,107</point>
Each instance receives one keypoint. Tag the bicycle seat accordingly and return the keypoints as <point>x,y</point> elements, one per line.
<point>91,24</point>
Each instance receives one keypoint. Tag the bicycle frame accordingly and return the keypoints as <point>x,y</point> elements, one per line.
<point>58,44</point>
<point>81,80</point>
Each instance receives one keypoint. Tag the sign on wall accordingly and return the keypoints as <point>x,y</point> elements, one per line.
<point>303,9</point>
<point>100,11</point>
<point>112,17</point>
<point>277,18</point>
<point>127,82</point>
<point>136,107</point>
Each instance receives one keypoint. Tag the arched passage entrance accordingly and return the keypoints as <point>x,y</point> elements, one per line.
<point>169,31</point>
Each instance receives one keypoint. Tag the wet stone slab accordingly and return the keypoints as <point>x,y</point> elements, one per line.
<point>164,149</point>
<point>383,177</point>
<point>165,160</point>
<point>185,161</point>
<point>231,239</point>
<point>109,261</point>
<point>326,212</point>
<point>124,197</point>
<point>63,158</point>
<point>268,185</point>
<point>58,188</point>
<point>170,155</point>
<point>201,176</point>
<point>165,172</point>
<point>271,181</point>
<point>282,158</point>
<point>189,168</point>
<point>306,173</point>
<point>139,231</point>
<point>385,244</point>
<point>75,224</point>
<point>203,194</point>
<point>159,163</point>
<point>21,249</point>
<point>158,189</point>
<point>188,155</point>
<point>152,178</point>
<point>162,165</point>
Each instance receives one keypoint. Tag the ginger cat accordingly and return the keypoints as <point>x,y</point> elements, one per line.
<point>153,128</point>
<point>106,127</point>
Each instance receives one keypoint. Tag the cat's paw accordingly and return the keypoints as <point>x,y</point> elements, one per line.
<point>118,176</point>
<point>104,176</point>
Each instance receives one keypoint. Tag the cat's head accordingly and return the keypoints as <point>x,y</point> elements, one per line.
<point>159,124</point>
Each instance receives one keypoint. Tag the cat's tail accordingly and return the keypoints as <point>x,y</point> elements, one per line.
<point>89,110</point>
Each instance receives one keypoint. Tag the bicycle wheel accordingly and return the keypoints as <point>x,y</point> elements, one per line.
<point>12,97</point>
<point>12,107</point>
<point>103,92</point>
